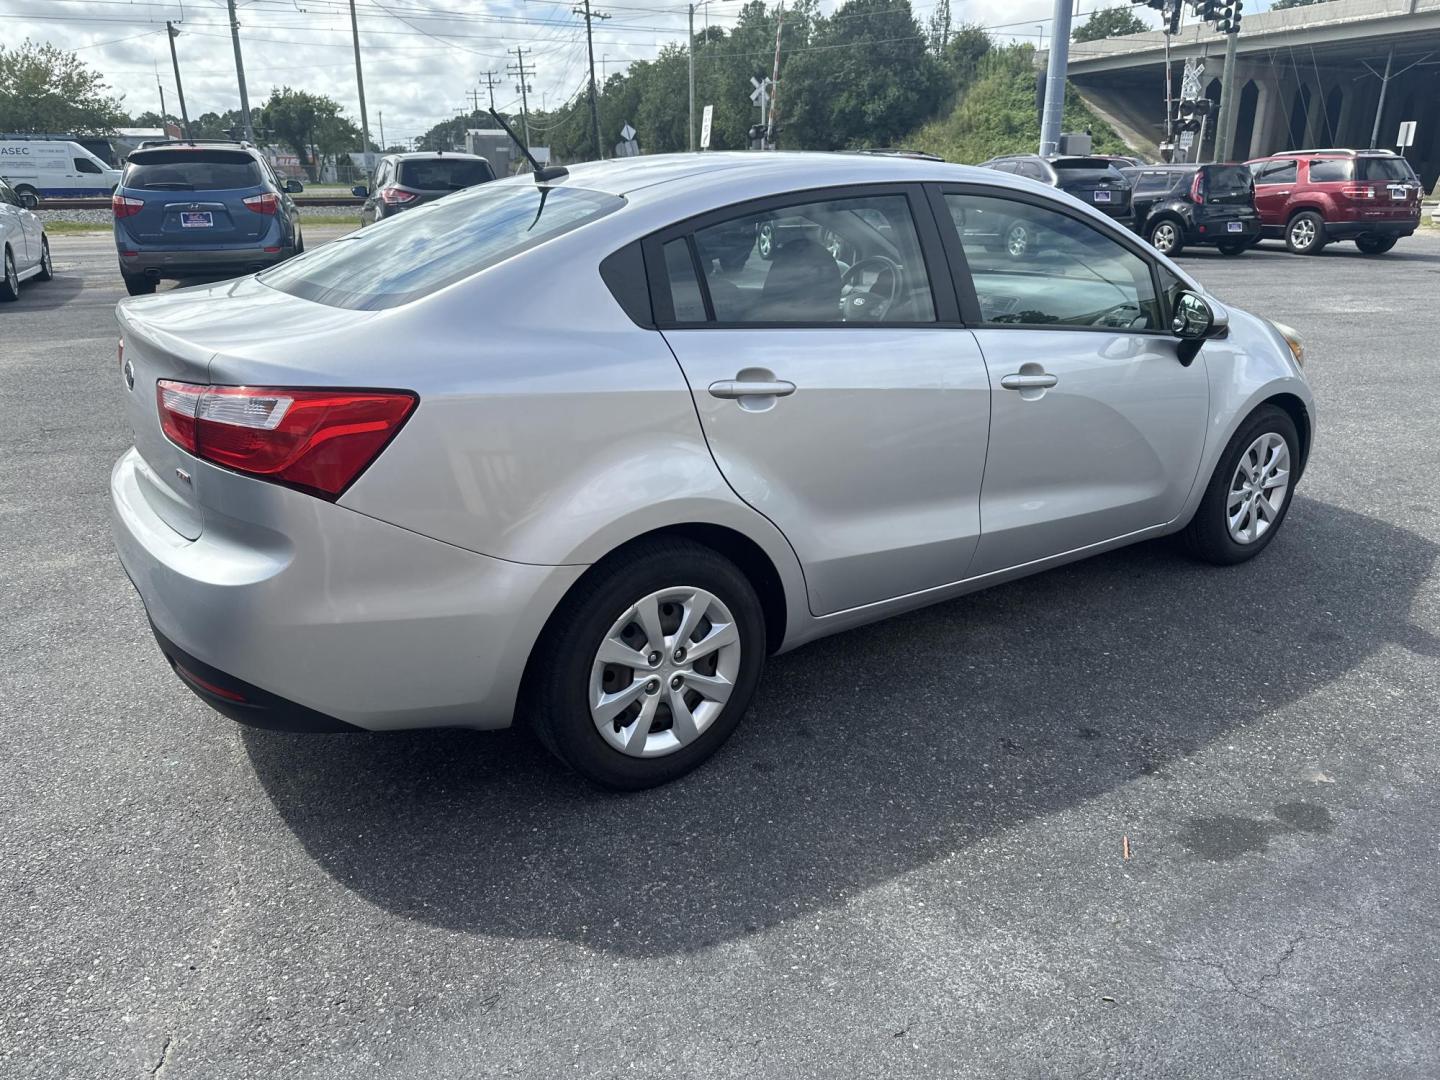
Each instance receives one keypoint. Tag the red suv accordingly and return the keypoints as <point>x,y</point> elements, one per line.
<point>1310,197</point>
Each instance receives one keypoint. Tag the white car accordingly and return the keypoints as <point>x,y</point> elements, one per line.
<point>24,247</point>
<point>39,169</point>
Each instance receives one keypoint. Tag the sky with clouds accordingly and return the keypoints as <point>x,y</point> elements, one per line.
<point>422,58</point>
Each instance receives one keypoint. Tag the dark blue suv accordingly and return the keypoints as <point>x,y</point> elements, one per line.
<point>201,210</point>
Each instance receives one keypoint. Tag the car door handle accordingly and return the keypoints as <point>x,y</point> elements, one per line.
<point>738,388</point>
<point>1029,382</point>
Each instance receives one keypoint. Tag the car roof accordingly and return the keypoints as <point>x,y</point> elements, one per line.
<point>707,172</point>
<point>448,155</point>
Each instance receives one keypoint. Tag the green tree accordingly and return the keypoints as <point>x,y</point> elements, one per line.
<point>43,88</point>
<point>309,124</point>
<point>1113,22</point>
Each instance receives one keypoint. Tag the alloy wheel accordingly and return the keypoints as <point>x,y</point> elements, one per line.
<point>1258,489</point>
<point>1017,240</point>
<point>1302,233</point>
<point>1164,237</point>
<point>664,671</point>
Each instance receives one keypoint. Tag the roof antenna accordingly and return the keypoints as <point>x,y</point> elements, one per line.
<point>548,172</point>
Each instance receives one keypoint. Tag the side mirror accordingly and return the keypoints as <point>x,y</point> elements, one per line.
<point>293,187</point>
<point>29,200</point>
<point>1194,321</point>
<point>360,191</point>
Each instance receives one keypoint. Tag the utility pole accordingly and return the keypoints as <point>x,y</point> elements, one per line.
<point>172,33</point>
<point>240,73</point>
<point>1053,117</point>
<point>381,116</point>
<point>475,99</point>
<point>1229,102</point>
<point>520,71</point>
<point>691,50</point>
<point>360,85</point>
<point>490,84</point>
<point>160,86</point>
<point>1380,105</point>
<point>772,129</point>
<point>590,18</point>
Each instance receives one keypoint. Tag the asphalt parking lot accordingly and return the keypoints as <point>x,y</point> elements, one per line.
<point>908,862</point>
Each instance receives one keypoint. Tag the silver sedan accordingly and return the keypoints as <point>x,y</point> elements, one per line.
<point>582,453</point>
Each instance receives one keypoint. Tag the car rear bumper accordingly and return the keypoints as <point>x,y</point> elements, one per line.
<point>322,618</point>
<point>1216,230</point>
<point>1349,230</point>
<point>194,263</point>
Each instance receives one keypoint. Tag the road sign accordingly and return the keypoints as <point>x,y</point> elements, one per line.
<point>761,91</point>
<point>705,118</point>
<point>1407,134</point>
<point>1187,140</point>
<point>627,132</point>
<point>1190,81</point>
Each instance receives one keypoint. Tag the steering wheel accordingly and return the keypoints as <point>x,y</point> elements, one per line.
<point>858,304</point>
<point>1125,315</point>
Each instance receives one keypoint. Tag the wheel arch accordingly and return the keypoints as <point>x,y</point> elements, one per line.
<point>1295,211</point>
<point>1296,410</point>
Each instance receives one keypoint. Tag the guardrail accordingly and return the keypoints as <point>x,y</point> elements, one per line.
<point>104,204</point>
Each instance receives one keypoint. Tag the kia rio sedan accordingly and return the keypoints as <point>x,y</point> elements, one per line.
<point>555,454</point>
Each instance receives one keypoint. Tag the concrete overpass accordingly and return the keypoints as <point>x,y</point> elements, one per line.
<point>1308,76</point>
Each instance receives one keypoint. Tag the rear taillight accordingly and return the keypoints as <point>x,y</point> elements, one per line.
<point>394,196</point>
<point>316,440</point>
<point>124,206</point>
<point>1197,189</point>
<point>1362,191</point>
<point>267,203</point>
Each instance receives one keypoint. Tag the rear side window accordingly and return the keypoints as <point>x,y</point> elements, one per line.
<point>1384,168</point>
<point>684,285</point>
<point>1330,171</point>
<point>425,249</point>
<point>440,174</point>
<point>192,170</point>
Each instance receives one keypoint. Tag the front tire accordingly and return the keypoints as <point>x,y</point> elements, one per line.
<point>648,666</point>
<point>9,279</point>
<point>1305,235</point>
<point>1250,491</point>
<point>47,269</point>
<point>1375,245</point>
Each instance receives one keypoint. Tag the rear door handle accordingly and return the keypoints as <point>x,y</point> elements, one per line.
<point>1029,382</point>
<point>736,388</point>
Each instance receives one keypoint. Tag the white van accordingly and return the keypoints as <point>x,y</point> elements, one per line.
<point>57,169</point>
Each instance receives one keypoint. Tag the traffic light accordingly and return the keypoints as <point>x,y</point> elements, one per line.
<point>1230,17</point>
<point>1208,10</point>
<point>1193,112</point>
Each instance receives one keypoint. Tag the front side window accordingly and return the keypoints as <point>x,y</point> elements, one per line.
<point>1033,266</point>
<point>850,260</point>
<point>435,245</point>
<point>85,165</point>
<point>1276,172</point>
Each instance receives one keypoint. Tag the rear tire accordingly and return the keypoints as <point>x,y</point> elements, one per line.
<point>1305,235</point>
<point>1375,245</point>
<point>1166,237</point>
<point>1234,247</point>
<point>1019,240</point>
<point>1223,531</point>
<point>571,679</point>
<point>138,284</point>
<point>9,279</point>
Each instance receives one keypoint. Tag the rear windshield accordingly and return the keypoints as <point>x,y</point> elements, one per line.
<point>192,170</point>
<point>1089,164</point>
<point>1085,170</point>
<point>1223,178</point>
<point>443,175</point>
<point>1383,168</point>
<point>425,249</point>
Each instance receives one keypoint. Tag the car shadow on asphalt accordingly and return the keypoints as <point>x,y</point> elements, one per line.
<point>36,295</point>
<point>865,755</point>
